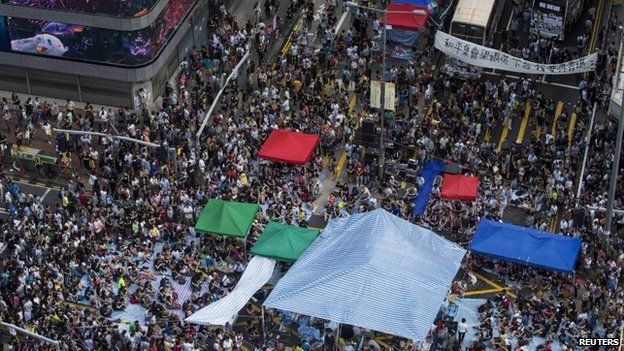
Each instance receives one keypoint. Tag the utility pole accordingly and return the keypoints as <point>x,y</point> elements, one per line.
<point>382,146</point>
<point>382,108</point>
<point>587,144</point>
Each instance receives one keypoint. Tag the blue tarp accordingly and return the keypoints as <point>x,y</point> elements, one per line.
<point>527,246</point>
<point>403,36</point>
<point>372,270</point>
<point>430,171</point>
<point>430,4</point>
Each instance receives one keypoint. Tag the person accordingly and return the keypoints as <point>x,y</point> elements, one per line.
<point>359,174</point>
<point>462,329</point>
<point>39,164</point>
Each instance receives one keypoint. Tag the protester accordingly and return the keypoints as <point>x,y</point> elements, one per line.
<point>126,215</point>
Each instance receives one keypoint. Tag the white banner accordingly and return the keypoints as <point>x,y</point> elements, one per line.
<point>389,95</point>
<point>478,55</point>
<point>375,93</point>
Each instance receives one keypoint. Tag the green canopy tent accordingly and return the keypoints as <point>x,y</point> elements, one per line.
<point>284,242</point>
<point>226,218</point>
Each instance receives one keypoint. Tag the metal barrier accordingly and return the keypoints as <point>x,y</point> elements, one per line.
<point>25,169</point>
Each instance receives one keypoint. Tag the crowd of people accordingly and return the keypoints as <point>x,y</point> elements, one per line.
<point>122,231</point>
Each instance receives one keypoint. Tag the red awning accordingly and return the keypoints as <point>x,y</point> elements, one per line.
<point>289,147</point>
<point>406,20</point>
<point>458,187</point>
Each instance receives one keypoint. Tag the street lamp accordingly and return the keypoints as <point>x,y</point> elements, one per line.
<point>417,12</point>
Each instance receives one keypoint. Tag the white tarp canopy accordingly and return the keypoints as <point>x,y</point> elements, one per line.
<point>372,270</point>
<point>258,272</point>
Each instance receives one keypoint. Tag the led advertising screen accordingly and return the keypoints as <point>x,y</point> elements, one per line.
<point>4,35</point>
<point>128,48</point>
<point>118,8</point>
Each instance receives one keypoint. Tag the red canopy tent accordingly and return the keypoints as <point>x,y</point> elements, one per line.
<point>289,147</point>
<point>459,187</point>
<point>407,20</point>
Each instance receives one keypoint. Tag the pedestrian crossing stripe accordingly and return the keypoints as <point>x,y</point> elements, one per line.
<point>553,224</point>
<point>503,137</point>
<point>352,103</point>
<point>571,129</point>
<point>525,121</point>
<point>343,156</point>
<point>557,114</point>
<point>341,163</point>
<point>328,87</point>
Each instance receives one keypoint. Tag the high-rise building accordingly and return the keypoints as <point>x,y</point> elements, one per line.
<point>101,51</point>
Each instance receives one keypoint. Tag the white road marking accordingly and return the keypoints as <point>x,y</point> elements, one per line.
<point>547,83</point>
<point>319,12</point>
<point>342,19</point>
<point>44,195</point>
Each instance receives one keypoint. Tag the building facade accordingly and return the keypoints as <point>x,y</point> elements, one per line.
<point>108,52</point>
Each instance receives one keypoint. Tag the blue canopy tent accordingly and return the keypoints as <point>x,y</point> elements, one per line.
<point>527,246</point>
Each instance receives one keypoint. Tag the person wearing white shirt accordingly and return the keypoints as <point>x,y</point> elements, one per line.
<point>228,343</point>
<point>462,329</point>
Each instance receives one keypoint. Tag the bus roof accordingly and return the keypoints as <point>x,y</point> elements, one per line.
<point>475,12</point>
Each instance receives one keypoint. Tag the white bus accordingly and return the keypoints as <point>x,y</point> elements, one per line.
<point>476,20</point>
<point>550,18</point>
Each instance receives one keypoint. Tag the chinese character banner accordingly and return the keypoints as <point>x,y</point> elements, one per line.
<point>478,55</point>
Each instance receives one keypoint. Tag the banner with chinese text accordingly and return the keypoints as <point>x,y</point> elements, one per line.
<point>478,55</point>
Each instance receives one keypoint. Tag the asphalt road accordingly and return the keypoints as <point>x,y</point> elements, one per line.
<point>48,195</point>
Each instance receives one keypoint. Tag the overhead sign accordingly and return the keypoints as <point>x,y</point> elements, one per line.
<point>482,56</point>
<point>389,95</point>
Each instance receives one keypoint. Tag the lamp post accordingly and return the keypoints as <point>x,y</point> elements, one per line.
<point>418,12</point>
<point>171,152</point>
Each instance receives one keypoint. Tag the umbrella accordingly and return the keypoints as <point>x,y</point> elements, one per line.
<point>452,168</point>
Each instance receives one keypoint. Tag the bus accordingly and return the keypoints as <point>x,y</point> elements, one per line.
<point>550,18</point>
<point>476,20</point>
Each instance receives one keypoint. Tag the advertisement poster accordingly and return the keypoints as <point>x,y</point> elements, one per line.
<point>117,8</point>
<point>4,35</point>
<point>548,20</point>
<point>130,48</point>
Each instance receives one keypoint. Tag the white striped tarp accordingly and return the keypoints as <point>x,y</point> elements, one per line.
<point>372,270</point>
<point>184,292</point>
<point>258,272</point>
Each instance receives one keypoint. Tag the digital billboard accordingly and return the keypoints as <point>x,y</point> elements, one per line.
<point>4,35</point>
<point>128,48</point>
<point>118,8</point>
